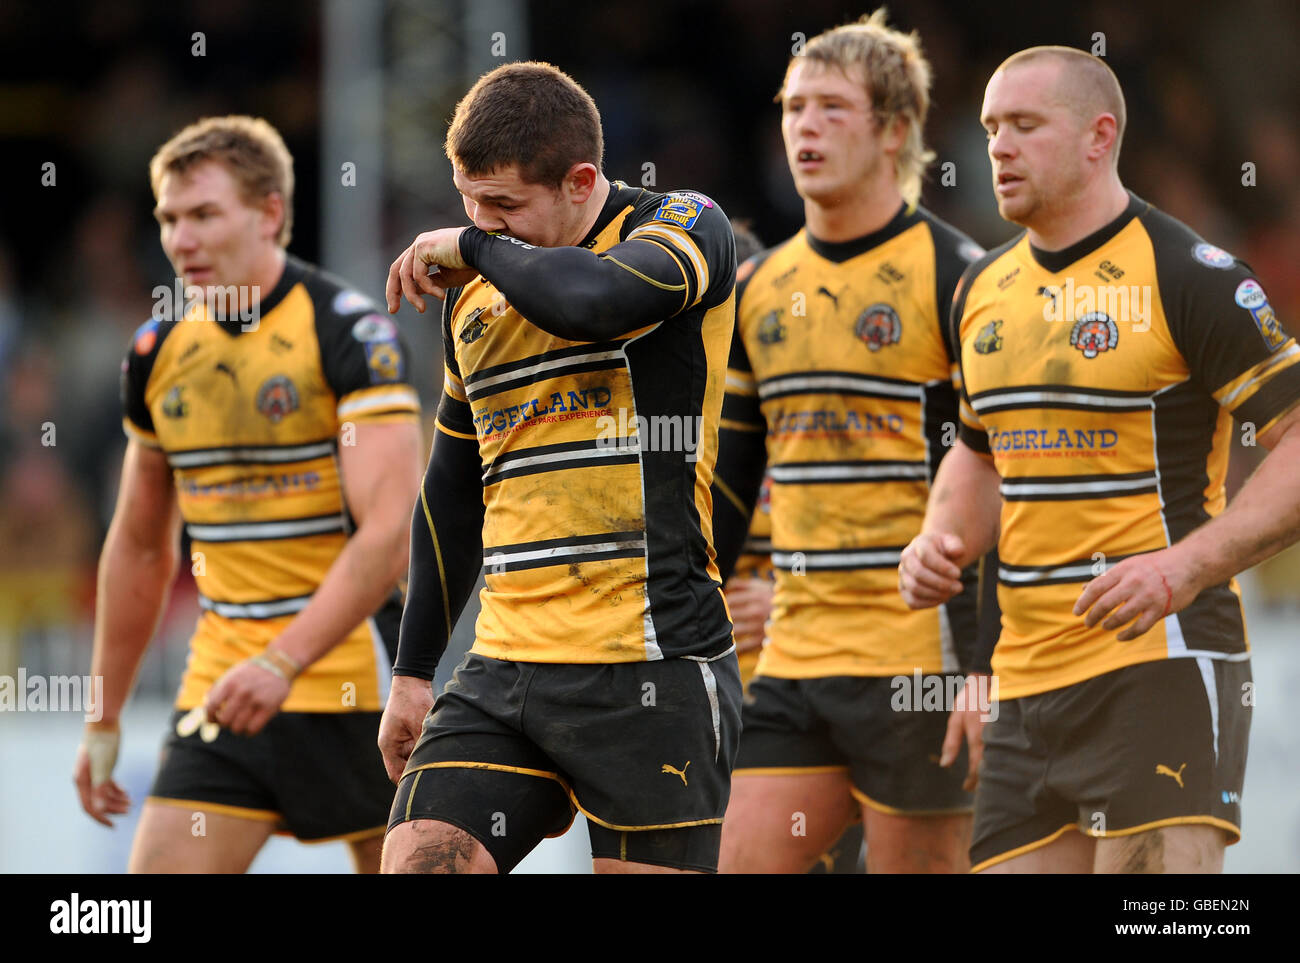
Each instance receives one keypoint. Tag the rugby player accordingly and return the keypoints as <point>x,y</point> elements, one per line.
<point>585,333</point>
<point>840,381</point>
<point>271,415</point>
<point>1105,352</point>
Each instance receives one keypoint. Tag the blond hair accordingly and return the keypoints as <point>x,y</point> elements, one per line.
<point>897,77</point>
<point>250,148</point>
<point>1086,85</point>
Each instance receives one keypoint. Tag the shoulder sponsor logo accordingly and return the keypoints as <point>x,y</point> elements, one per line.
<point>1094,333</point>
<point>1215,257</point>
<point>385,361</point>
<point>1250,295</point>
<point>770,329</point>
<point>1009,279</point>
<point>988,340</point>
<point>350,302</point>
<point>277,398</point>
<point>146,336</point>
<point>682,209</point>
<point>879,326</point>
<point>280,345</point>
<point>374,327</point>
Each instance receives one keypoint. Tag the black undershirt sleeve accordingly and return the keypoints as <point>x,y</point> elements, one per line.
<point>575,294</point>
<point>446,552</point>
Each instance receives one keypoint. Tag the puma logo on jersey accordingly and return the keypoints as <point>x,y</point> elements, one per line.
<point>226,369</point>
<point>677,772</point>
<point>1163,770</point>
<point>826,291</point>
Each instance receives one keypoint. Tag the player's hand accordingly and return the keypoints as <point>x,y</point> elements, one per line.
<point>928,573</point>
<point>1140,590</point>
<point>750,602</point>
<point>409,701</point>
<point>409,276</point>
<point>967,722</point>
<point>246,697</point>
<point>93,773</point>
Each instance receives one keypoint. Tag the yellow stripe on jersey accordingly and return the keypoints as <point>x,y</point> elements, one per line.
<point>1239,390</point>
<point>378,400</point>
<point>646,278</point>
<point>437,423</point>
<point>680,240</point>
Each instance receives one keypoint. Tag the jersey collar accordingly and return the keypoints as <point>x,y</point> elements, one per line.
<point>294,271</point>
<point>841,251</point>
<point>1055,261</point>
<point>620,197</point>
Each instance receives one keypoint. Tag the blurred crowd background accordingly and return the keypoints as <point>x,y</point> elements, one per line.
<point>94,88</point>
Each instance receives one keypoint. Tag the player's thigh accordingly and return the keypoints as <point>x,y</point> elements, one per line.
<point>907,843</point>
<point>1168,849</point>
<point>783,823</point>
<point>176,839</point>
<point>430,846</point>
<point>1070,852</point>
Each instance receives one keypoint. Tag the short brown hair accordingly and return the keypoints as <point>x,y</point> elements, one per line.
<point>529,114</point>
<point>897,76</point>
<point>250,148</point>
<point>1087,85</point>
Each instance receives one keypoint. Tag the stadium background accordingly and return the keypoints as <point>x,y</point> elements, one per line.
<point>686,87</point>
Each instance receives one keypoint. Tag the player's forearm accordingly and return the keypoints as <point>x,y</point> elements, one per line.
<point>132,592</point>
<point>362,577</point>
<point>1263,519</point>
<point>737,477</point>
<point>571,292</point>
<point>965,501</point>
<point>446,554</point>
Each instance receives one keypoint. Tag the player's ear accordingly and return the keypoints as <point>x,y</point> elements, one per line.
<point>272,207</point>
<point>580,181</point>
<point>1102,135</point>
<point>894,134</point>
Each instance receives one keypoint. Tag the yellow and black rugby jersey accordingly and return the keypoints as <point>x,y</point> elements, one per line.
<point>250,422</point>
<point>841,357</point>
<point>1102,381</point>
<point>597,457</point>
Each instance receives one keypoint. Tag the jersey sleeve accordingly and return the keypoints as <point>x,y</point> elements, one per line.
<point>137,366</point>
<point>1225,328</point>
<point>366,365</point>
<point>692,229</point>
